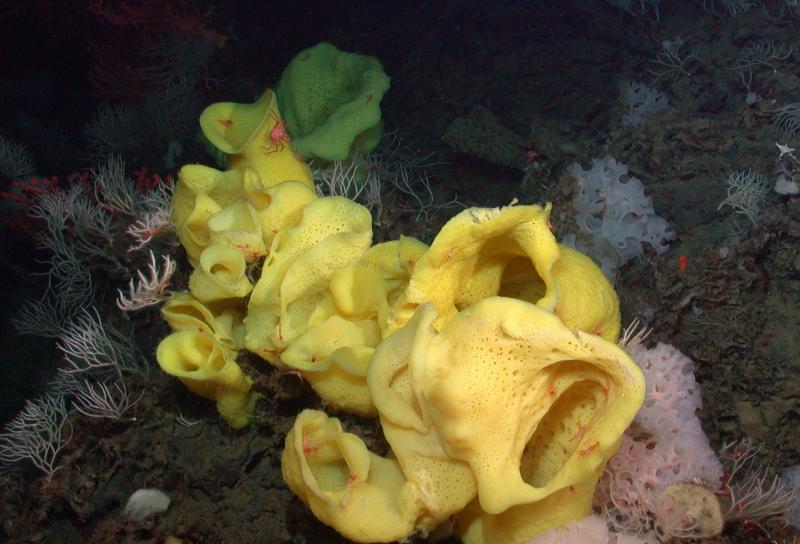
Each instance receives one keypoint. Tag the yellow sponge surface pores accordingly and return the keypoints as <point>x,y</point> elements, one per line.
<point>331,233</point>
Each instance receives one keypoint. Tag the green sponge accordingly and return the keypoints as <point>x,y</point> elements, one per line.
<point>331,102</point>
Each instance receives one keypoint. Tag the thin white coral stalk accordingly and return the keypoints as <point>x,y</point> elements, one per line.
<point>151,286</point>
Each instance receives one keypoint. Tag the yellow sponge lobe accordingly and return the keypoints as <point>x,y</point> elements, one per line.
<point>466,260</point>
<point>361,495</point>
<point>586,299</point>
<point>209,369</point>
<point>222,274</point>
<point>254,135</point>
<point>223,319</point>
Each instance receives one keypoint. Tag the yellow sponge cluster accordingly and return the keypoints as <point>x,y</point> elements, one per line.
<point>489,357</point>
<point>226,220</point>
<point>497,381</point>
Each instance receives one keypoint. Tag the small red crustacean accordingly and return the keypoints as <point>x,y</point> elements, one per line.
<point>278,136</point>
<point>683,262</point>
<point>588,449</point>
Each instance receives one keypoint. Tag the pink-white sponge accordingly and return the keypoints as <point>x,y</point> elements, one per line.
<point>665,444</point>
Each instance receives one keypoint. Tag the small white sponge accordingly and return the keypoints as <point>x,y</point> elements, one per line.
<point>145,502</point>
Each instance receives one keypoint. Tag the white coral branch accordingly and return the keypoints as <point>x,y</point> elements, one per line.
<point>146,228</point>
<point>102,399</point>
<point>93,347</point>
<point>151,286</point>
<point>37,434</point>
<point>753,493</point>
<point>747,193</point>
<point>113,190</point>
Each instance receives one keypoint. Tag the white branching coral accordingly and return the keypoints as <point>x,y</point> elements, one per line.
<point>37,434</point>
<point>154,214</point>
<point>90,346</point>
<point>747,192</point>
<point>358,180</point>
<point>753,493</point>
<point>81,231</point>
<point>114,129</point>
<point>77,234</point>
<point>44,317</point>
<point>113,190</point>
<point>72,221</point>
<point>151,286</point>
<point>673,60</point>
<point>169,114</point>
<point>340,179</point>
<point>761,53</point>
<point>732,7</point>
<point>395,167</point>
<point>159,197</point>
<point>176,60</point>
<point>97,399</point>
<point>787,118</point>
<point>16,162</point>
<point>419,192</point>
<point>151,224</point>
